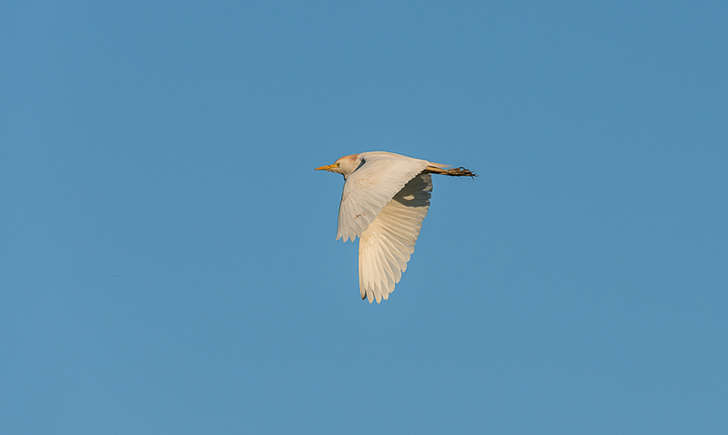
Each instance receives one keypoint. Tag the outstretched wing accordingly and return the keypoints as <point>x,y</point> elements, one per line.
<point>371,187</point>
<point>388,242</point>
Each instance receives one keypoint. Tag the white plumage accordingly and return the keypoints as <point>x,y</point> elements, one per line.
<point>386,196</point>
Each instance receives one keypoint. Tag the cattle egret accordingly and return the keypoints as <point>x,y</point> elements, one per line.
<point>386,196</point>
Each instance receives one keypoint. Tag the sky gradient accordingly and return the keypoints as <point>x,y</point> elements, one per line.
<point>168,262</point>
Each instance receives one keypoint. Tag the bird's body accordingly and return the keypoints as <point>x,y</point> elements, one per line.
<point>386,196</point>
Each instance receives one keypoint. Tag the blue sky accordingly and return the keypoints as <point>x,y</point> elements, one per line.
<point>168,261</point>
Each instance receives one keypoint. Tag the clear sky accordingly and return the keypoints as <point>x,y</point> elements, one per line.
<point>168,262</point>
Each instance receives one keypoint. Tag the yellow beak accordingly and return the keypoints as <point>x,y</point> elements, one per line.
<point>326,168</point>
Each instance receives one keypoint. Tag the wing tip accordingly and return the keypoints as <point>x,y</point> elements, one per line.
<point>373,297</point>
<point>346,237</point>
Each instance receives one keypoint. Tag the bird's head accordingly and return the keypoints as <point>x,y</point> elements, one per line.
<point>344,166</point>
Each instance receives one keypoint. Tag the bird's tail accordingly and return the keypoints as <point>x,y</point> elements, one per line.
<point>453,172</point>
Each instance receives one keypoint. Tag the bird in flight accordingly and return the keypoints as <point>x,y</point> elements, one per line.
<point>386,196</point>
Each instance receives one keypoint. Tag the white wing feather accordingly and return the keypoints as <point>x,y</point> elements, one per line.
<point>372,186</point>
<point>386,245</point>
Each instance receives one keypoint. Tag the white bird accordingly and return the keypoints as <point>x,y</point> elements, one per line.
<point>386,196</point>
